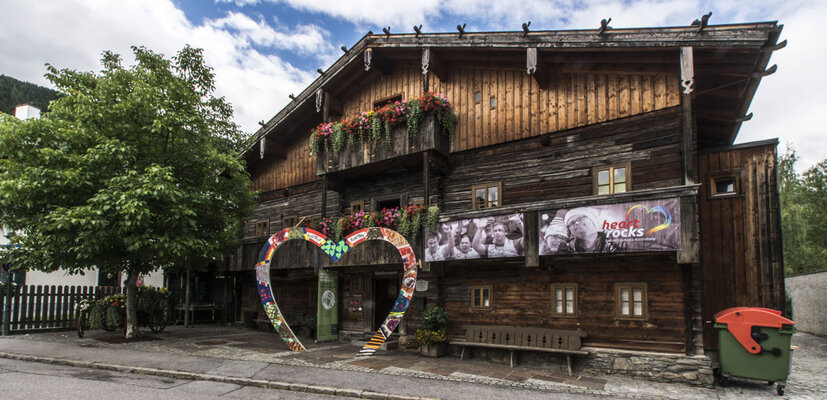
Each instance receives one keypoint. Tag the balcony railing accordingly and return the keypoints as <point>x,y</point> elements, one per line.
<point>403,148</point>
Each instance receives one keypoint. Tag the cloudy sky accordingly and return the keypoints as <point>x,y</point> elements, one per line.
<point>263,50</point>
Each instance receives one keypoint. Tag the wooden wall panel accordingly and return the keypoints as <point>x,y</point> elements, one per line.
<point>298,168</point>
<point>523,109</point>
<point>532,172</point>
<point>740,254</point>
<point>522,297</point>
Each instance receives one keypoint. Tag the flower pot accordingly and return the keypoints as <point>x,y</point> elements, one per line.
<point>434,349</point>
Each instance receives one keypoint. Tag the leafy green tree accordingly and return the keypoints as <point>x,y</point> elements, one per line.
<point>803,201</point>
<point>133,169</point>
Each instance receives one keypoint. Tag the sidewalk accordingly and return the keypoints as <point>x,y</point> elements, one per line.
<point>252,358</point>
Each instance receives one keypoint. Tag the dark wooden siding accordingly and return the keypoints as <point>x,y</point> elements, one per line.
<point>740,235</point>
<point>532,172</point>
<point>522,297</point>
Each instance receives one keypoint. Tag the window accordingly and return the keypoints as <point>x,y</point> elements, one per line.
<point>360,205</point>
<point>388,100</point>
<point>724,185</point>
<point>477,96</point>
<point>486,196</point>
<point>481,297</point>
<point>387,204</point>
<point>289,221</point>
<point>612,179</point>
<point>492,102</point>
<point>631,301</point>
<point>564,299</point>
<point>311,220</point>
<point>263,227</point>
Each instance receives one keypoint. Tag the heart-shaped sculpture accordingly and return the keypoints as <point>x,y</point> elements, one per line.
<point>335,251</point>
<point>667,216</point>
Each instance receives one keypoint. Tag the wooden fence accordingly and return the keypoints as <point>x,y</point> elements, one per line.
<point>50,307</point>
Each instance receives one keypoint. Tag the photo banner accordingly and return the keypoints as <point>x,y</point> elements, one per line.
<point>642,226</point>
<point>486,237</point>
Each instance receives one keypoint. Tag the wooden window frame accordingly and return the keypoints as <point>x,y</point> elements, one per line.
<point>611,168</point>
<point>482,288</point>
<point>262,227</point>
<point>309,219</point>
<point>486,186</point>
<point>644,301</point>
<point>713,187</point>
<point>288,221</point>
<point>358,203</point>
<point>564,286</point>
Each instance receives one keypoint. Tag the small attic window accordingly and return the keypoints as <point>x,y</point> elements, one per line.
<point>724,185</point>
<point>389,100</point>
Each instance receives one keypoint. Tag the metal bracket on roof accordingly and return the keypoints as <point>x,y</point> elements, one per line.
<point>387,31</point>
<point>604,26</point>
<point>702,23</point>
<point>461,30</point>
<point>418,30</point>
<point>525,28</point>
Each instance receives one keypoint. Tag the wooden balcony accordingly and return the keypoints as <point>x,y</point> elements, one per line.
<point>403,151</point>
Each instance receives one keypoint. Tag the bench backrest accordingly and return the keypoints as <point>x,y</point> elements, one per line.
<point>524,336</point>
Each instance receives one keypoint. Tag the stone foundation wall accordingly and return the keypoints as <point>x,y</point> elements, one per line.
<point>660,367</point>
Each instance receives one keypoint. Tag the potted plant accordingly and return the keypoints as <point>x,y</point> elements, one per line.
<point>433,335</point>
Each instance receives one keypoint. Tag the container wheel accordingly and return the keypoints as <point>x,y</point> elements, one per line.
<point>779,388</point>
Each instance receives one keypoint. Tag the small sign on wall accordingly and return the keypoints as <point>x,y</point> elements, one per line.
<point>421,285</point>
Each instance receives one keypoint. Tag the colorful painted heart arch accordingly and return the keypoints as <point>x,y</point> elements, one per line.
<point>335,251</point>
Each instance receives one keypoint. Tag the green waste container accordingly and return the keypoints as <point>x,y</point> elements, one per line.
<point>755,343</point>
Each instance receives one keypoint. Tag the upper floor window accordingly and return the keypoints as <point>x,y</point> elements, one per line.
<point>359,205</point>
<point>612,179</point>
<point>486,196</point>
<point>631,301</point>
<point>263,227</point>
<point>388,100</point>
<point>289,221</point>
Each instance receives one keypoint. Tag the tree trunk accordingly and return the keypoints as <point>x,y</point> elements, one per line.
<point>131,323</point>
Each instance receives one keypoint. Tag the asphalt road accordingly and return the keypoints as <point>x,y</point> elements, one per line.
<point>29,380</point>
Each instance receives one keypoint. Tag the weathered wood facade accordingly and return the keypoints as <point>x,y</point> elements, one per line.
<point>537,115</point>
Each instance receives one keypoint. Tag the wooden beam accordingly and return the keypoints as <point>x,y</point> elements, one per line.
<point>688,140</point>
<point>431,62</point>
<point>374,60</point>
<point>534,69</point>
<point>323,214</point>
<point>332,107</point>
<point>531,238</point>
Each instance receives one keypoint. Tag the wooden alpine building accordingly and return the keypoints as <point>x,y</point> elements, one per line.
<point>545,120</point>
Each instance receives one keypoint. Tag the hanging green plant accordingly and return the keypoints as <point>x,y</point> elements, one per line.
<point>432,218</point>
<point>414,116</point>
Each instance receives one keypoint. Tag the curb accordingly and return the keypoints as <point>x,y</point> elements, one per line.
<point>168,373</point>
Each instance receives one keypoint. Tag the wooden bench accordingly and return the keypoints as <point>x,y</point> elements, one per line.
<point>522,338</point>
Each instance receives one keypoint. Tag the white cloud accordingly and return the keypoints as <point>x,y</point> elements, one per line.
<point>73,33</point>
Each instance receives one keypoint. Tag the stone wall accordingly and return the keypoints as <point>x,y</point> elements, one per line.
<point>659,367</point>
<point>809,302</point>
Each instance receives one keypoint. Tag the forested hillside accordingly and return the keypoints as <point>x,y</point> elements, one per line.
<point>14,93</point>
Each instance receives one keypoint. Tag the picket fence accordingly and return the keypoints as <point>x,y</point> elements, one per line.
<point>36,308</point>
